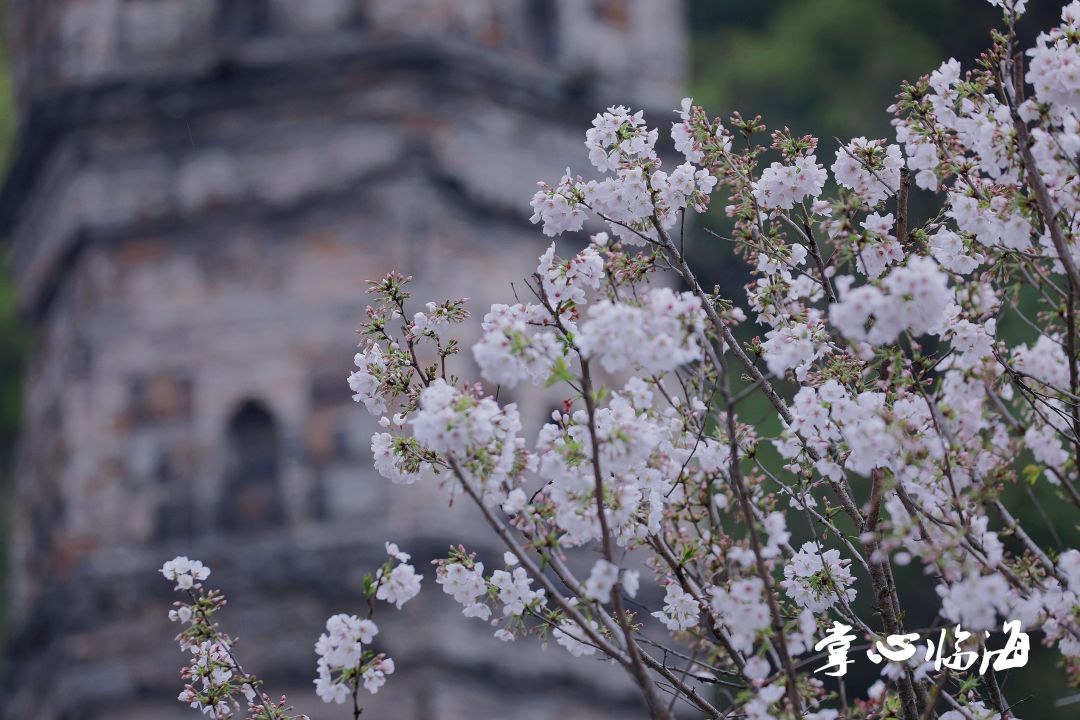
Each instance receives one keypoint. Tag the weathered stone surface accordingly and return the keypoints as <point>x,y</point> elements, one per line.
<point>202,188</point>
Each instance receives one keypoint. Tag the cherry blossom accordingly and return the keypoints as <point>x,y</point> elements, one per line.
<point>658,336</point>
<point>870,168</point>
<point>782,186</point>
<point>817,579</point>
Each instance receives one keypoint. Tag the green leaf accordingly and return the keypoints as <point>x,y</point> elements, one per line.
<point>1032,473</point>
<point>560,372</point>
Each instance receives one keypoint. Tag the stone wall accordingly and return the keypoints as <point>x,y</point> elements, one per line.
<point>202,189</point>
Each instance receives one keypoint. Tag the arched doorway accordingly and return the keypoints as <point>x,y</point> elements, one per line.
<point>251,497</point>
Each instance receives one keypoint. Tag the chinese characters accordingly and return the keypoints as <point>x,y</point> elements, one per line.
<point>962,657</point>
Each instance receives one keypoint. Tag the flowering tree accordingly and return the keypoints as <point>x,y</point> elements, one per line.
<point>906,415</point>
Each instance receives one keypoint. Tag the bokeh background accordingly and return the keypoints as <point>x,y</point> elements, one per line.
<point>826,67</point>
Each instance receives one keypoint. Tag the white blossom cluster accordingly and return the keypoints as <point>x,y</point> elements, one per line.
<point>658,336</point>
<point>481,433</point>
<point>187,574</point>
<point>782,186</point>
<point>367,379</point>
<point>341,648</point>
<point>680,611</point>
<point>870,168</point>
<point>467,585</point>
<point>402,583</point>
<point>345,657</point>
<point>817,579</point>
<point>634,193</point>
<point>912,299</point>
<point>214,682</point>
<point>741,610</point>
<point>1054,68</point>
<point>570,636</point>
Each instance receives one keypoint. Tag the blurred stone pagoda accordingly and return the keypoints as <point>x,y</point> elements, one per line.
<point>200,190</point>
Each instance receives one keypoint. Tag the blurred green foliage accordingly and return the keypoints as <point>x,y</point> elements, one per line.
<point>12,354</point>
<point>12,335</point>
<point>12,345</point>
<point>831,67</point>
<point>8,119</point>
<point>814,65</point>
